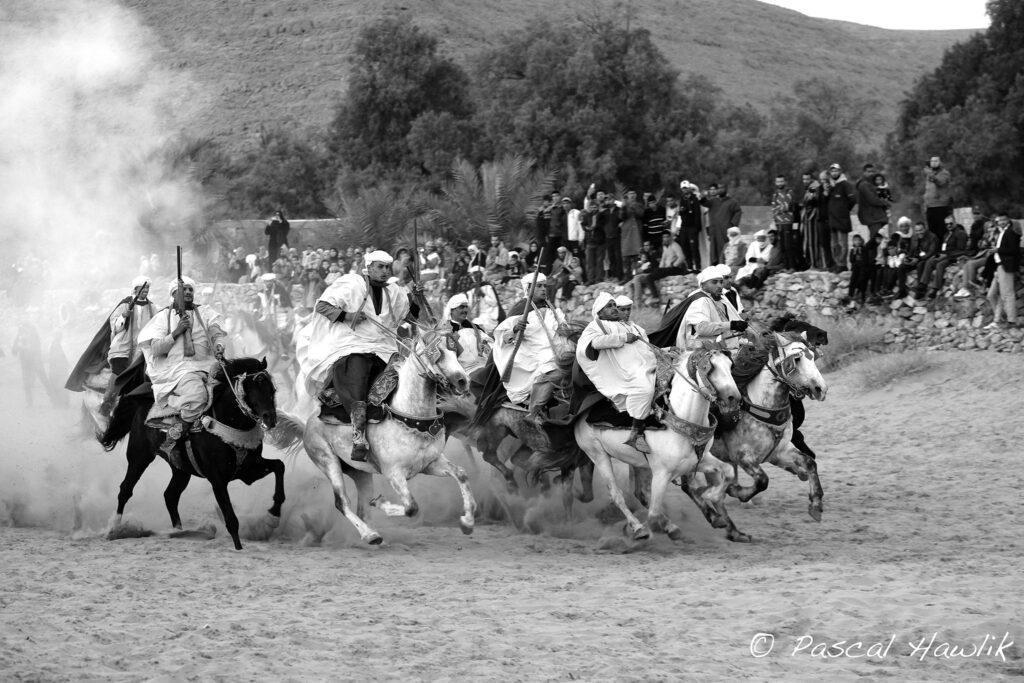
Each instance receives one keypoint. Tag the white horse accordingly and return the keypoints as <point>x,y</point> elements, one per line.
<point>409,440</point>
<point>766,427</point>
<point>700,377</point>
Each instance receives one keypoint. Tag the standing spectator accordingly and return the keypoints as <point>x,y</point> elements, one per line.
<point>632,223</point>
<point>892,269</point>
<point>237,267</point>
<point>277,234</point>
<point>783,207</point>
<point>938,196</point>
<point>1001,294</point>
<point>654,219</point>
<point>814,221</point>
<point>953,247</point>
<point>532,252</point>
<point>862,266</point>
<point>610,218</point>
<point>872,210</point>
<point>574,219</point>
<point>724,212</point>
<point>497,257</point>
<point>735,250</point>
<point>594,241</point>
<point>558,229</point>
<point>689,224</point>
<point>842,197</point>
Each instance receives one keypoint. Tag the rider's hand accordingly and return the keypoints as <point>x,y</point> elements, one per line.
<point>417,288</point>
<point>185,323</point>
<point>218,350</point>
<point>520,325</point>
<point>631,337</point>
<point>738,325</point>
<point>357,318</point>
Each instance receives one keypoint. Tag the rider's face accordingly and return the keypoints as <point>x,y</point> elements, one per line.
<point>713,287</point>
<point>378,272</point>
<point>460,313</point>
<point>188,294</point>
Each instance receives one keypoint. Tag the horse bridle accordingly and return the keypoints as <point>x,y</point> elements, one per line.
<point>700,381</point>
<point>237,386</point>
<point>782,366</point>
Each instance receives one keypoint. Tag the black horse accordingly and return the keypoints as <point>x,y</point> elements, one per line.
<point>242,397</point>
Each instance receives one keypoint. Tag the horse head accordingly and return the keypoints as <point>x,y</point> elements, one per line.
<point>437,349</point>
<point>709,369</point>
<point>254,389</point>
<point>792,362</point>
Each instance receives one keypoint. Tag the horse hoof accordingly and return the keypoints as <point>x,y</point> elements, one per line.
<point>467,529</point>
<point>814,512</point>
<point>373,539</point>
<point>675,533</point>
<point>238,544</point>
<point>739,537</point>
<point>641,533</point>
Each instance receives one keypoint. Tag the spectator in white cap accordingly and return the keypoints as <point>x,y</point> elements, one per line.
<point>350,341</point>
<point>180,380</point>
<point>474,343</point>
<point>613,354</point>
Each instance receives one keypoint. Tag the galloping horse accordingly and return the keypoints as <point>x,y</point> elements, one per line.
<point>407,441</point>
<point>765,426</point>
<point>699,378</point>
<point>229,448</point>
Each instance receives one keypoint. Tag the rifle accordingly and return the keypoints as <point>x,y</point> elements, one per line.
<point>179,306</point>
<point>507,372</point>
<point>422,296</point>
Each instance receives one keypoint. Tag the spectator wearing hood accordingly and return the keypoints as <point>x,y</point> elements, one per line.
<point>735,251</point>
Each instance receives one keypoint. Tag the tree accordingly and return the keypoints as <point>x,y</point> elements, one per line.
<point>282,172</point>
<point>969,112</point>
<point>399,86</point>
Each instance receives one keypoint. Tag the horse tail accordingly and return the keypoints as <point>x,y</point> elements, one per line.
<point>121,420</point>
<point>565,460</point>
<point>287,433</point>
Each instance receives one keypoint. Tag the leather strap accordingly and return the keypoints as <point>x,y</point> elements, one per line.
<point>428,425</point>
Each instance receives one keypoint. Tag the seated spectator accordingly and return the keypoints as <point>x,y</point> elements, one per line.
<point>566,274</point>
<point>734,253</point>
<point>757,255</point>
<point>923,245</point>
<point>771,261</point>
<point>894,257</point>
<point>671,262</point>
<point>531,255</point>
<point>497,257</point>
<point>969,282</point>
<point>952,249</point>
<point>515,268</point>
<point>862,266</point>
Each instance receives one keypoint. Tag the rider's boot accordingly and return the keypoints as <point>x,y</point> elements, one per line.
<point>360,448</point>
<point>636,438</point>
<point>174,434</point>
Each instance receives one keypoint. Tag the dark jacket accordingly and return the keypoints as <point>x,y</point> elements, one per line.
<point>977,235</point>
<point>923,247</point>
<point>723,212</point>
<point>864,257</point>
<point>1008,250</point>
<point>955,243</point>
<point>593,228</point>
<point>689,214</point>
<point>558,223</point>
<point>277,232</point>
<point>841,200</point>
<point>870,209</point>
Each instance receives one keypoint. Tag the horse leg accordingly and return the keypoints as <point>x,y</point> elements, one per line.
<point>718,477</point>
<point>752,467</point>
<point>640,480</point>
<point>277,467</point>
<point>474,468</point>
<point>364,489</point>
<point>220,492</point>
<point>172,494</point>
<point>586,471</point>
<point>408,507</point>
<point>489,451</point>
<point>656,517</point>
<point>332,467</point>
<point>442,467</point>
<point>603,465</point>
<point>139,458</point>
<point>806,469</point>
<point>566,479</point>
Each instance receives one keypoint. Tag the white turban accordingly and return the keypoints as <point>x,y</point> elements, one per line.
<point>623,300</point>
<point>378,256</point>
<point>250,260</point>
<point>456,301</point>
<point>904,221</point>
<point>268,277</point>
<point>724,270</point>
<point>187,281</point>
<point>140,281</point>
<point>760,233</point>
<point>602,300</point>
<point>709,273</point>
<point>527,280</point>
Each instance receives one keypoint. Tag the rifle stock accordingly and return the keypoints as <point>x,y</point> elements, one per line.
<point>179,304</point>
<point>507,372</point>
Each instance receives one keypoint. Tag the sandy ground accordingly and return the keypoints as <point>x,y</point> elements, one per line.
<point>921,536</point>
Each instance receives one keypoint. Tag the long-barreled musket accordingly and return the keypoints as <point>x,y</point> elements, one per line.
<point>507,372</point>
<point>179,306</point>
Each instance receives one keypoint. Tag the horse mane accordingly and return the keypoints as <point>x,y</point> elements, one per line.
<point>237,366</point>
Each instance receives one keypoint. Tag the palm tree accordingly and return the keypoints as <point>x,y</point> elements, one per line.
<point>497,198</point>
<point>379,216</point>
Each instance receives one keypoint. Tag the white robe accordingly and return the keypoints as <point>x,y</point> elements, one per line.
<point>535,357</point>
<point>470,358</point>
<point>321,342</point>
<point>623,373</point>
<point>166,370</point>
<point>483,307</point>
<point>124,337</point>
<point>756,250</point>
<point>704,319</point>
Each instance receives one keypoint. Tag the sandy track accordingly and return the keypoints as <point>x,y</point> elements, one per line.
<point>921,535</point>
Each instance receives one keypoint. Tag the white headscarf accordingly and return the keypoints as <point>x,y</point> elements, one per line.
<point>453,303</point>
<point>187,281</point>
<point>378,256</point>
<point>527,280</point>
<point>623,300</point>
<point>724,270</point>
<point>602,300</point>
<point>709,273</point>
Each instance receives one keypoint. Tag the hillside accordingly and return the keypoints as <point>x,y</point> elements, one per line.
<point>284,62</point>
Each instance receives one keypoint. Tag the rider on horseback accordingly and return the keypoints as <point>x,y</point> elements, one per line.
<point>622,369</point>
<point>535,368</point>
<point>351,340</point>
<point>180,380</point>
<point>126,322</point>
<point>474,343</point>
